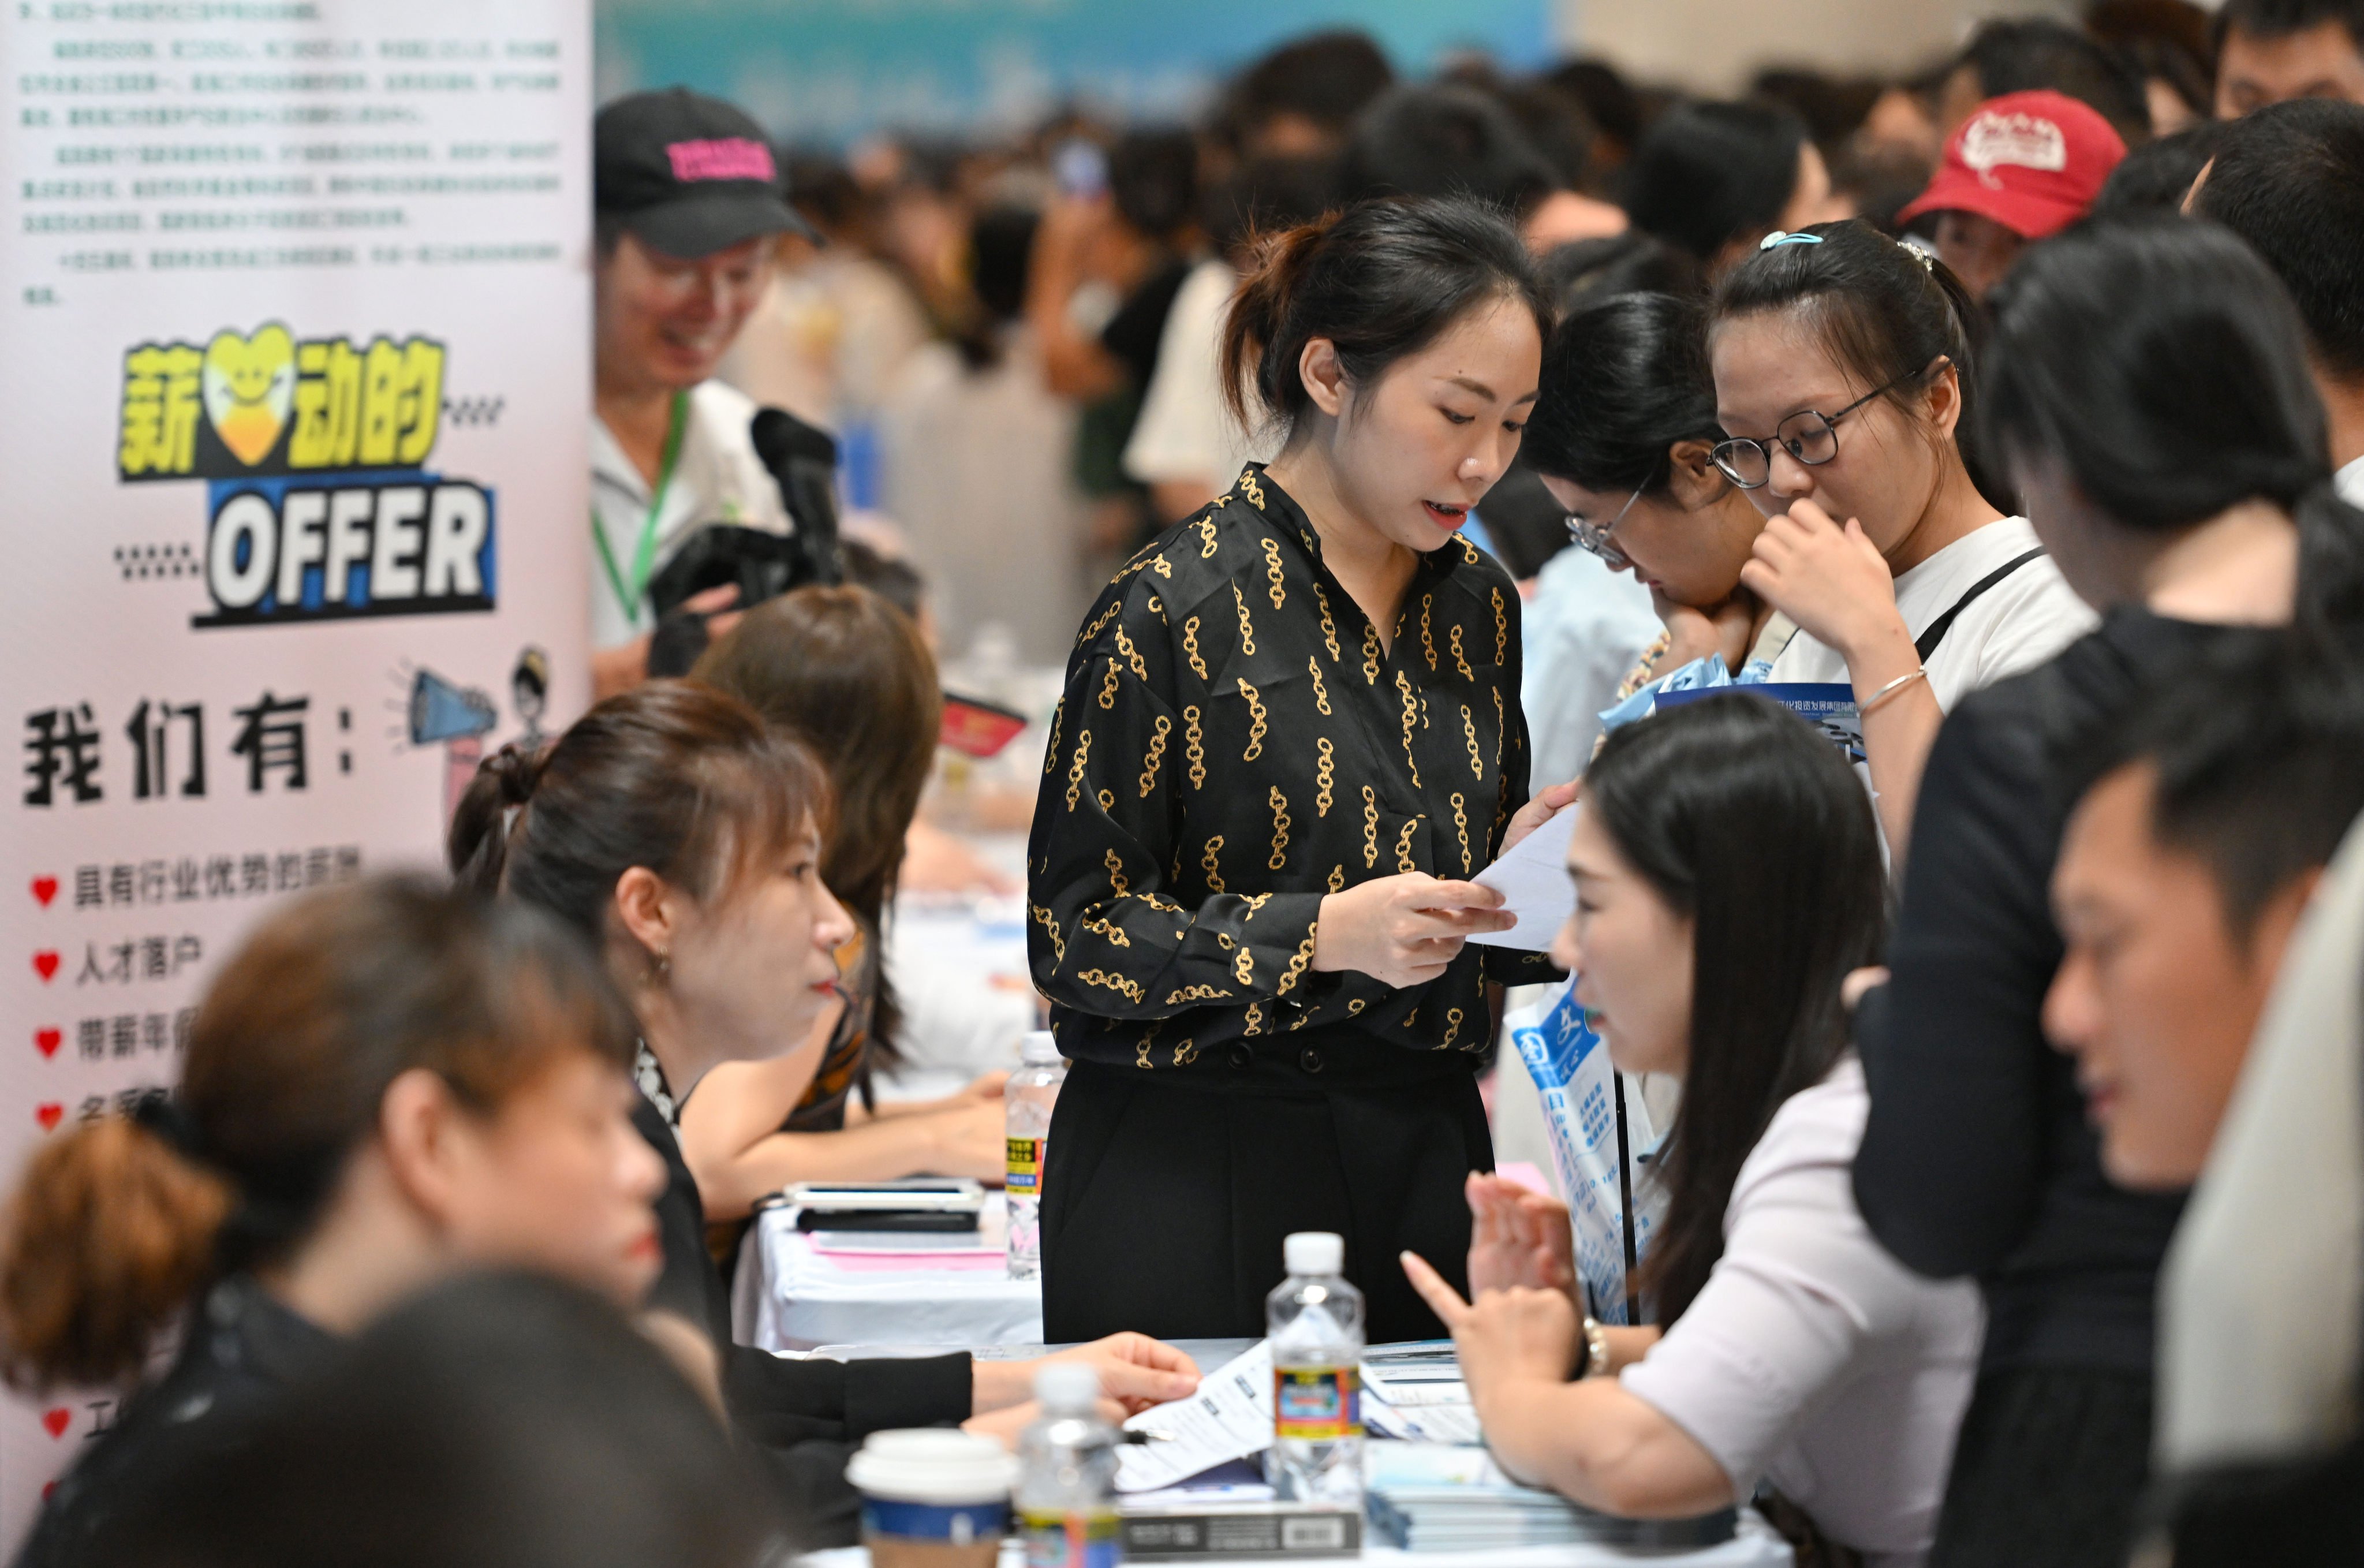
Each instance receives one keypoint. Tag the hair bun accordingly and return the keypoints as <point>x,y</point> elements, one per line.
<point>517,772</point>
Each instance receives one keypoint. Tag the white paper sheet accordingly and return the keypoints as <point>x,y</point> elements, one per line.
<point>1229,1418</point>
<point>1532,881</point>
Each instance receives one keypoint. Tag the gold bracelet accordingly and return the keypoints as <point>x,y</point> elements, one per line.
<point>1596,1347</point>
<point>1863,709</point>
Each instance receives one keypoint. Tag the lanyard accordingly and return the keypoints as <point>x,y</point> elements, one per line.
<point>644,555</point>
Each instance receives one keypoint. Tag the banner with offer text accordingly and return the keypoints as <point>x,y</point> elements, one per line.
<point>296,441</point>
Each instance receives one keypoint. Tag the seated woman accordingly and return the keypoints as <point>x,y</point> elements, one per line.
<point>1727,880</point>
<point>846,674</point>
<point>386,1085</point>
<point>682,836</point>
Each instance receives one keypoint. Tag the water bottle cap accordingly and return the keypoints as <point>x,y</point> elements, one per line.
<point>1067,1388</point>
<point>1040,1049</point>
<point>1314,1252</point>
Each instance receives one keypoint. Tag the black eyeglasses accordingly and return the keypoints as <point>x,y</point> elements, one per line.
<point>1586,535</point>
<point>1811,437</point>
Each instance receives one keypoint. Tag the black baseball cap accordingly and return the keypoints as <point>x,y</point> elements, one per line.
<point>688,174</point>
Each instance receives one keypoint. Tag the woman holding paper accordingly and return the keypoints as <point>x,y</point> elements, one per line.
<point>1290,737</point>
<point>1727,881</point>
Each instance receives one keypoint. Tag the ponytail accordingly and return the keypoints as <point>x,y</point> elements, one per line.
<point>1382,280</point>
<point>478,839</point>
<point>111,1231</point>
<point>2330,567</point>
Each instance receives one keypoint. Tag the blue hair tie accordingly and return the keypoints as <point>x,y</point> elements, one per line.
<point>1781,237</point>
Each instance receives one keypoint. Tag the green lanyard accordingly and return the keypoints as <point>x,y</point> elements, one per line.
<point>627,595</point>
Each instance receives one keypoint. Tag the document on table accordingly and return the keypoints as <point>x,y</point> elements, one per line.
<point>1229,1418</point>
<point>1532,881</point>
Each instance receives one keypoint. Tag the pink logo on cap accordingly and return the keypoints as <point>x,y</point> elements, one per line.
<point>722,158</point>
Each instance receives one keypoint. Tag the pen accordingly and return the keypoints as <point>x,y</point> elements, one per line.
<point>1144,1435</point>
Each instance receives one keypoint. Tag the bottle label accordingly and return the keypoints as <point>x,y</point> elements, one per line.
<point>1316,1403</point>
<point>1055,1540</point>
<point>1026,1165</point>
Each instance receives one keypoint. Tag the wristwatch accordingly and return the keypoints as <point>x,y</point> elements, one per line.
<point>1596,1349</point>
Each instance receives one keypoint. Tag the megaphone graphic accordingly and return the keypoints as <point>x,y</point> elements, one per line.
<point>441,711</point>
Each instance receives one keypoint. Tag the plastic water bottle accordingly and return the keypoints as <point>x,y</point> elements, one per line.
<point>1027,1099</point>
<point>1315,1322</point>
<point>1066,1475</point>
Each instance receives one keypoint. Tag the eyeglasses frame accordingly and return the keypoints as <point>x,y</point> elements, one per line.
<point>1830,421</point>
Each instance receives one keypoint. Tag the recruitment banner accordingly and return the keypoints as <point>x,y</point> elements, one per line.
<point>295,429</point>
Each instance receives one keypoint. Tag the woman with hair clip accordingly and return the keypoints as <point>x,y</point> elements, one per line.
<point>386,1085</point>
<point>1843,374</point>
<point>682,837</point>
<point>1291,734</point>
<point>1622,437</point>
<point>846,672</point>
<point>2150,396</point>
<point>1727,880</point>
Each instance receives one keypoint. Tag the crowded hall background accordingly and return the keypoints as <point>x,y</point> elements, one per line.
<point>1548,783</point>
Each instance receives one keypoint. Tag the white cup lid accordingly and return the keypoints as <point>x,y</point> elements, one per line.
<point>1314,1252</point>
<point>933,1464</point>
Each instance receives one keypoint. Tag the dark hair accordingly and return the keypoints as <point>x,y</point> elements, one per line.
<point>1153,178</point>
<point>1382,280</point>
<point>2157,175</point>
<point>1624,378</point>
<point>846,672</point>
<point>1327,77</point>
<point>1554,124</point>
<point>672,775</point>
<point>2162,366</point>
<point>1751,825</point>
<point>1608,98</point>
<point>1630,262</point>
<point>1444,140</point>
<point>1883,309</point>
<point>2279,18</point>
<point>2290,180</point>
<point>504,1420</point>
<point>115,1225</point>
<point>2022,54</point>
<point>1834,107</point>
<point>1000,255</point>
<point>1269,194</point>
<point>824,191</point>
<point>1707,175</point>
<point>2257,748</point>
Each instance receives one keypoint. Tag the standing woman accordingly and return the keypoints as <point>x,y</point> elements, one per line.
<point>1291,733</point>
<point>1843,373</point>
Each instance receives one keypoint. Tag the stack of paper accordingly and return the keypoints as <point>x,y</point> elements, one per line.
<point>1414,1391</point>
<point>1424,1498</point>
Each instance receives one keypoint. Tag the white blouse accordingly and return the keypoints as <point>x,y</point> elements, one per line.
<point>1814,1360</point>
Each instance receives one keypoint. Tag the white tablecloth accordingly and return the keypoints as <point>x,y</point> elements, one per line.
<point>790,1295</point>
<point>1754,1546</point>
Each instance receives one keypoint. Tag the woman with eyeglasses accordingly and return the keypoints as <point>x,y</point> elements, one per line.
<point>1843,372</point>
<point>1622,437</point>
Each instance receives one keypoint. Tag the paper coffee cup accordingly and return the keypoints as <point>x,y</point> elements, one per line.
<point>932,1498</point>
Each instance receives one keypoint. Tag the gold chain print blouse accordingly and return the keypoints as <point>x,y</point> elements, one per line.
<point>1233,747</point>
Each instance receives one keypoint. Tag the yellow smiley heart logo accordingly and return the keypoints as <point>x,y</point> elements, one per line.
<point>249,385</point>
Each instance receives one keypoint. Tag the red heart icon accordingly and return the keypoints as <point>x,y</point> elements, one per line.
<point>45,888</point>
<point>49,1116</point>
<point>48,1040</point>
<point>57,1421</point>
<point>46,964</point>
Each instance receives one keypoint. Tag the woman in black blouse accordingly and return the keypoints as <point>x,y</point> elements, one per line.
<point>1291,733</point>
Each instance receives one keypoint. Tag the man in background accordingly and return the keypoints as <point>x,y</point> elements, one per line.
<point>2269,51</point>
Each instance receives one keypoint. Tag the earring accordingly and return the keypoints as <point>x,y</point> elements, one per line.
<point>660,967</point>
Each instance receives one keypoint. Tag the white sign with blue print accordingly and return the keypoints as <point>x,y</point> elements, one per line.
<point>1603,1158</point>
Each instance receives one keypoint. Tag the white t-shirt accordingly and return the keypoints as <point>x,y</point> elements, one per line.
<point>717,478</point>
<point>1812,1358</point>
<point>1581,633</point>
<point>2349,483</point>
<point>1184,430</point>
<point>2014,626</point>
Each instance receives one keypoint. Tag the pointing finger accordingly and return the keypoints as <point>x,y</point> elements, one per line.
<point>1442,1298</point>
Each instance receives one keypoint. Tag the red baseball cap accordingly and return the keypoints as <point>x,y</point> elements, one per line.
<point>2031,161</point>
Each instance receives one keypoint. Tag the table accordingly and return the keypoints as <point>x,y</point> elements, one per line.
<point>788,1294</point>
<point>1754,1546</point>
